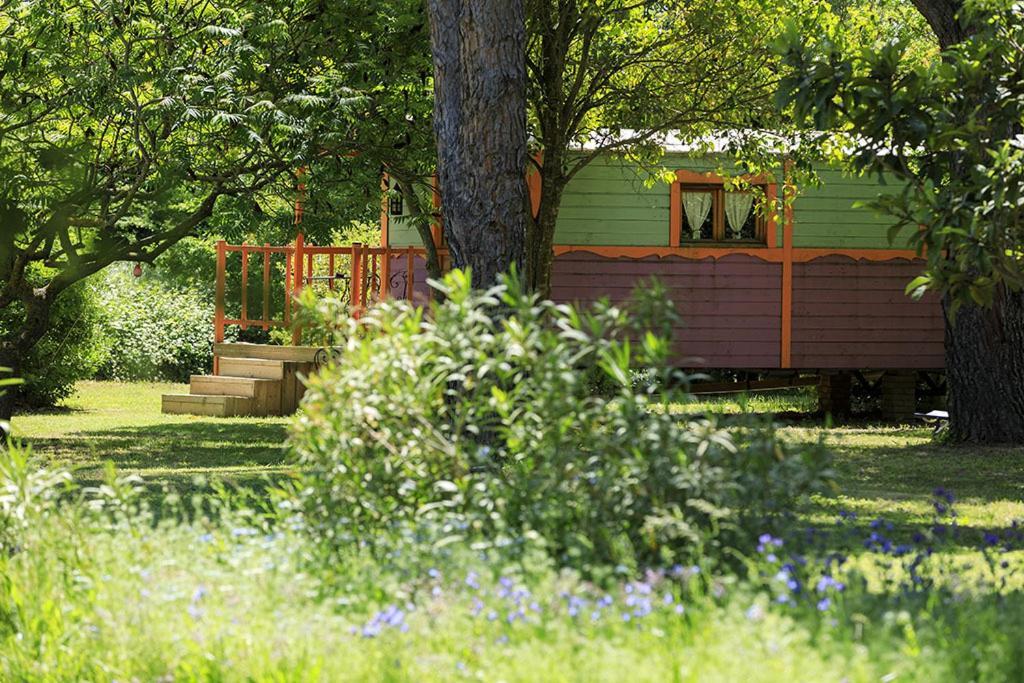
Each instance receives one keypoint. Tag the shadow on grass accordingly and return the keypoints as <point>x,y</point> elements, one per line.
<point>235,451</point>
<point>875,464</point>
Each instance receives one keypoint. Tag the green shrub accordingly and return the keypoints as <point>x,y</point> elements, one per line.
<point>73,348</point>
<point>157,333</point>
<point>497,418</point>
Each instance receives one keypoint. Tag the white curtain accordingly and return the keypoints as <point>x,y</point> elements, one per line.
<point>737,210</point>
<point>697,206</point>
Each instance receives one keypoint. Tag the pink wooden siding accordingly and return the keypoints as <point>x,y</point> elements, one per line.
<point>731,308</point>
<point>854,314</point>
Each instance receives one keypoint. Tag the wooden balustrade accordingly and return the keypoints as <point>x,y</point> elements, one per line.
<point>363,273</point>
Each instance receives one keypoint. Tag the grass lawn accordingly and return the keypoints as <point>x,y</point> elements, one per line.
<point>235,598</point>
<point>883,470</point>
<point>122,423</point>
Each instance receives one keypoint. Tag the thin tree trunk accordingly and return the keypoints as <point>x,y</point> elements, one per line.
<point>479,51</point>
<point>423,228</point>
<point>985,371</point>
<point>8,398</point>
<point>16,348</point>
<point>540,243</point>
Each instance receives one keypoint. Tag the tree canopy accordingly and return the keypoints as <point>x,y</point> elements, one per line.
<point>950,129</point>
<point>126,126</point>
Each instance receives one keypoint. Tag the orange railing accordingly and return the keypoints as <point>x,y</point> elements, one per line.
<point>362,273</point>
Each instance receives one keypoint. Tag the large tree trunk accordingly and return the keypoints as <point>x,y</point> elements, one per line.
<point>941,16</point>
<point>985,371</point>
<point>984,346</point>
<point>479,51</point>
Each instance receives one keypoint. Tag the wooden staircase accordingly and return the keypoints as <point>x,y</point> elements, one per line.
<point>250,380</point>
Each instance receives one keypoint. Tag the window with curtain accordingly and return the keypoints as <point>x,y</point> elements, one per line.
<point>712,213</point>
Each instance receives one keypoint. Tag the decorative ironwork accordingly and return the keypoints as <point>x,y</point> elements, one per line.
<point>399,281</point>
<point>342,284</point>
<point>324,356</point>
<point>373,287</point>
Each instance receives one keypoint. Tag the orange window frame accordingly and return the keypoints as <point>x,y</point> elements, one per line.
<point>766,223</point>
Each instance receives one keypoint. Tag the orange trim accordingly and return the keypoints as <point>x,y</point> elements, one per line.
<point>300,243</point>
<point>805,254</point>
<point>690,252</point>
<point>533,182</point>
<point>675,213</point>
<point>786,331</point>
<point>771,255</point>
<point>684,176</point>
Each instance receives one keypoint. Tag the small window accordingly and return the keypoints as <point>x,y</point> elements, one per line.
<point>712,213</point>
<point>396,206</point>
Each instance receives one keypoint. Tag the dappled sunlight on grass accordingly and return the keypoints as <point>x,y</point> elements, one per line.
<point>883,470</point>
<point>800,400</point>
<point>122,424</point>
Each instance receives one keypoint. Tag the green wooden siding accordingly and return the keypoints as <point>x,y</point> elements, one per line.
<point>402,233</point>
<point>825,217</point>
<point>609,203</point>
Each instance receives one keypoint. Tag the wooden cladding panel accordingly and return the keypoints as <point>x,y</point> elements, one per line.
<point>731,307</point>
<point>854,314</point>
<point>397,284</point>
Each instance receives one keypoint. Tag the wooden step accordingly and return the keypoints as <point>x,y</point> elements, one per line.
<point>265,393</point>
<point>294,354</point>
<point>253,368</point>
<point>211,406</point>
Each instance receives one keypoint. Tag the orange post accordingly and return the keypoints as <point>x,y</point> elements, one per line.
<point>289,262</point>
<point>218,315</point>
<point>245,287</point>
<point>266,286</point>
<point>373,296</point>
<point>788,193</point>
<point>300,245</point>
<point>675,227</point>
<point>364,283</point>
<point>385,272</point>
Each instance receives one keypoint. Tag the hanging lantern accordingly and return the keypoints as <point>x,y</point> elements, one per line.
<point>137,271</point>
<point>395,206</point>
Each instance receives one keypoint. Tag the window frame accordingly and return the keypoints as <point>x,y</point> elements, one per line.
<point>767,225</point>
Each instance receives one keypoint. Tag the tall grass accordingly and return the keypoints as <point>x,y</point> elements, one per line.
<point>92,587</point>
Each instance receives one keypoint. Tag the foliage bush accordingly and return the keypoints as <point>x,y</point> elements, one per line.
<point>156,333</point>
<point>495,417</point>
<point>74,347</point>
